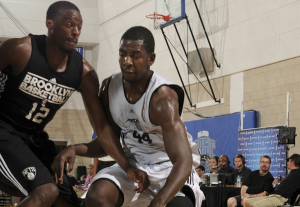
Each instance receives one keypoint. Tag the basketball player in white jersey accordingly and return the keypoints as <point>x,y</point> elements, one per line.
<point>146,108</point>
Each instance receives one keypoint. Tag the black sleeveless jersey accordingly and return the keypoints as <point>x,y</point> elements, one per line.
<point>30,100</point>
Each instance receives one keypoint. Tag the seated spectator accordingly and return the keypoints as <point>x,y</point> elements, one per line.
<point>241,170</point>
<point>285,190</point>
<point>224,165</point>
<point>258,183</point>
<point>200,171</point>
<point>88,179</point>
<point>213,164</point>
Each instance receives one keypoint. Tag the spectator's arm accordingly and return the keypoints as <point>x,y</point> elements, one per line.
<point>265,193</point>
<point>243,190</point>
<point>86,185</point>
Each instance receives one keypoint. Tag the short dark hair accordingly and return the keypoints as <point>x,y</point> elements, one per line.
<point>295,158</point>
<point>201,167</point>
<point>55,9</point>
<point>266,156</point>
<point>241,157</point>
<point>141,33</point>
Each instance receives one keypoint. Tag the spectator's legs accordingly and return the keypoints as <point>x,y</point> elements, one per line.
<point>231,202</point>
<point>247,204</point>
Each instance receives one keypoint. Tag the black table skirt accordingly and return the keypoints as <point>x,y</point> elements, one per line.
<point>218,196</point>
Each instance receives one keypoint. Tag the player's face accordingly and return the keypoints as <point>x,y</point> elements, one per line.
<point>223,162</point>
<point>133,59</point>
<point>264,164</point>
<point>212,163</point>
<point>238,162</point>
<point>65,29</point>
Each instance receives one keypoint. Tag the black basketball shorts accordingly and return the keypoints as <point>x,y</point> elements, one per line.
<point>25,165</point>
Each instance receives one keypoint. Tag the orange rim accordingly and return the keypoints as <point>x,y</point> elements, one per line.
<point>158,16</point>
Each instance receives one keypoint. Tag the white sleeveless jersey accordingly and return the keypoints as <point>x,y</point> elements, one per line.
<point>143,141</point>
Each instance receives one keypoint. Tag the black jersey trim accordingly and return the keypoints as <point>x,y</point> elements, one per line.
<point>107,93</point>
<point>180,95</point>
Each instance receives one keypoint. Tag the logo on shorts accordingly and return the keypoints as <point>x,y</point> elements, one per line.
<point>29,173</point>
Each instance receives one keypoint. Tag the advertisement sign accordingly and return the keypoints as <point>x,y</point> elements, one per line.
<point>254,143</point>
<point>219,135</point>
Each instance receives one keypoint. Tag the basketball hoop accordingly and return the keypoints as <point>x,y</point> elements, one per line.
<point>158,16</point>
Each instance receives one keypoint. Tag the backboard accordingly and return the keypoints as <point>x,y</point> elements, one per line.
<point>174,8</point>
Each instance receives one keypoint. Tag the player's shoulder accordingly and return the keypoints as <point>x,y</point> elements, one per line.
<point>17,45</point>
<point>104,85</point>
<point>86,65</point>
<point>88,68</point>
<point>164,93</point>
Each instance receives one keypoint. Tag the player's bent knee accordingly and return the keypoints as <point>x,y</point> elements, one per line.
<point>45,193</point>
<point>95,196</point>
<point>103,192</point>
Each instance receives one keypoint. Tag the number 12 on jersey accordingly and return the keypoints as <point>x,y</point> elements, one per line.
<point>37,116</point>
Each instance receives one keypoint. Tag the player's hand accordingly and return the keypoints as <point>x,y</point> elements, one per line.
<point>140,177</point>
<point>275,181</point>
<point>67,155</point>
<point>4,194</point>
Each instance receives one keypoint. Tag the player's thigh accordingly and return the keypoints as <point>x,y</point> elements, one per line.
<point>179,201</point>
<point>117,178</point>
<point>20,170</point>
<point>67,193</point>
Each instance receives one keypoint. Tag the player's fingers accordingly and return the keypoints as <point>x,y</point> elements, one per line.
<point>54,168</point>
<point>57,168</point>
<point>60,169</point>
<point>143,181</point>
<point>71,164</point>
<point>60,179</point>
<point>55,177</point>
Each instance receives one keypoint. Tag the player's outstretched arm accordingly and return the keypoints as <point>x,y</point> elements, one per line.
<point>164,111</point>
<point>15,53</point>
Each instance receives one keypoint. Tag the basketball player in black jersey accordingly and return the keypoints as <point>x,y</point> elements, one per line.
<point>38,75</point>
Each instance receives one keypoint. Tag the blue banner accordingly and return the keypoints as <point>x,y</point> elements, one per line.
<point>257,142</point>
<point>80,49</point>
<point>93,135</point>
<point>218,135</point>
